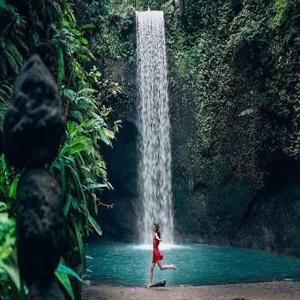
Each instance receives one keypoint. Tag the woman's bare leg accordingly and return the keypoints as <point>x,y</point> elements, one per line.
<point>151,275</point>
<point>166,267</point>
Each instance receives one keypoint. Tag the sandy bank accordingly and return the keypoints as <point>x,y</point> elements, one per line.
<point>253,291</point>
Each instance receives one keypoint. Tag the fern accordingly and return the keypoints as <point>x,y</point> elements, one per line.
<point>5,94</point>
<point>11,44</point>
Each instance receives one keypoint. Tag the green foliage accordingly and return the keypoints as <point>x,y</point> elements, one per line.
<point>60,68</point>
<point>7,233</point>
<point>11,286</point>
<point>62,273</point>
<point>51,29</point>
<point>11,39</point>
<point>72,46</point>
<point>152,4</point>
<point>113,27</point>
<point>10,283</point>
<point>233,76</point>
<point>8,184</point>
<point>82,172</point>
<point>226,62</point>
<point>280,8</point>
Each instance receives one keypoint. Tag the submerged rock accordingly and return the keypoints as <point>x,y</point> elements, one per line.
<point>40,224</point>
<point>35,123</point>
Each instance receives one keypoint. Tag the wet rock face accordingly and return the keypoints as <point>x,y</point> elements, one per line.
<point>40,223</point>
<point>35,123</point>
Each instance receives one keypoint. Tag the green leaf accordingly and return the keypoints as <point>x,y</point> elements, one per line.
<point>62,175</point>
<point>60,68</point>
<point>94,224</point>
<point>77,148</point>
<point>109,133</point>
<point>76,32</point>
<point>96,186</point>
<point>13,188</point>
<point>246,112</point>
<point>63,269</point>
<point>65,281</point>
<point>7,235</point>
<point>84,41</point>
<point>70,127</point>
<point>77,228</point>
<point>88,26</point>
<point>3,207</point>
<point>69,93</point>
<point>68,204</point>
<point>12,273</point>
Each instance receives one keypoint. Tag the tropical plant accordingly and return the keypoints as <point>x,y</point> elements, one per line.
<point>71,46</point>
<point>11,39</point>
<point>79,167</point>
<point>10,283</point>
<point>11,287</point>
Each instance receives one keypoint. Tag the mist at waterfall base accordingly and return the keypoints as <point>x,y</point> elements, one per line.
<point>126,264</point>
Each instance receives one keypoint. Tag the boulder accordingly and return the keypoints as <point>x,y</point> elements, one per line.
<point>35,123</point>
<point>40,225</point>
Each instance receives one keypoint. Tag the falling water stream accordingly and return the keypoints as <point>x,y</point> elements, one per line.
<point>154,126</point>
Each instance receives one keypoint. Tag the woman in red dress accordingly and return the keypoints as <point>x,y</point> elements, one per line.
<point>157,255</point>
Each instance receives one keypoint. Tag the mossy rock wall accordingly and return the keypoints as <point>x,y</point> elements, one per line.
<point>234,91</point>
<point>234,96</point>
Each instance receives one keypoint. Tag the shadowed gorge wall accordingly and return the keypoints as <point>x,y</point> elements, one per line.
<point>234,87</point>
<point>121,221</point>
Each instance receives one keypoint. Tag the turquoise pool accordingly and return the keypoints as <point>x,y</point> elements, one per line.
<point>197,264</point>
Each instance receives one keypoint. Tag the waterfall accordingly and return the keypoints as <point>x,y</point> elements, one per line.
<point>154,127</point>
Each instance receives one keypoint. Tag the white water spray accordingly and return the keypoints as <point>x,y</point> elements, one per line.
<point>154,126</point>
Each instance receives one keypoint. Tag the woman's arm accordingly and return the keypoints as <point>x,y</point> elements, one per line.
<point>156,235</point>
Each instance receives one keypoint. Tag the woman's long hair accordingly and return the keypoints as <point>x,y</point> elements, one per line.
<point>157,230</point>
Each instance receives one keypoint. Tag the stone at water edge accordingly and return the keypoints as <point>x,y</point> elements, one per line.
<point>40,226</point>
<point>160,284</point>
<point>35,123</point>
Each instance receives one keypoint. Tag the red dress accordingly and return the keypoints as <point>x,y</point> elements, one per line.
<point>156,253</point>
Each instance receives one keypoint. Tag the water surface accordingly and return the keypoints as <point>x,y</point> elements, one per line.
<point>197,264</point>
